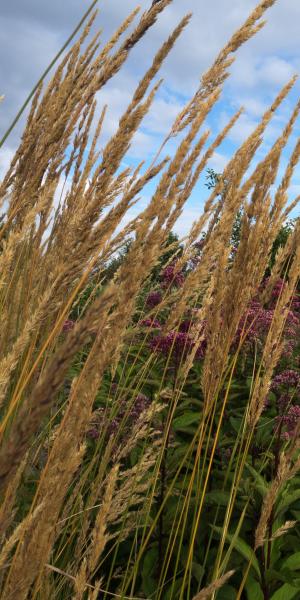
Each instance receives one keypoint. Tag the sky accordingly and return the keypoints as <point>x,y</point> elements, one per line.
<point>32,31</point>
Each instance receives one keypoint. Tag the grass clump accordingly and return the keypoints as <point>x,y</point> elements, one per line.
<point>150,403</point>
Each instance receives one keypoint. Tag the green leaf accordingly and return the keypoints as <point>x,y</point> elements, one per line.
<point>261,485</point>
<point>186,420</point>
<point>241,547</point>
<point>217,497</point>
<point>174,589</point>
<point>292,562</point>
<point>286,592</point>
<point>148,572</point>
<point>287,501</point>
<point>265,429</point>
<point>283,575</point>
<point>198,571</point>
<point>296,514</point>
<point>235,424</point>
<point>227,592</point>
<point>253,590</point>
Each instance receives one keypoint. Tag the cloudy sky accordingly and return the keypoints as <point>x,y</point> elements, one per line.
<point>32,31</point>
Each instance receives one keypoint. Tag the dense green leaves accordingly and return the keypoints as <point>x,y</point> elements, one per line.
<point>286,592</point>
<point>211,473</point>
<point>242,547</point>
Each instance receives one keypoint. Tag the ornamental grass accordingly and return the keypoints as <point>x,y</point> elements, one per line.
<point>150,422</point>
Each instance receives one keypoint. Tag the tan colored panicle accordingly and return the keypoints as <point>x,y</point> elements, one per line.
<point>80,581</point>
<point>32,549</point>
<point>43,278</point>
<point>274,345</point>
<point>282,475</point>
<point>23,529</point>
<point>9,501</point>
<point>207,592</point>
<point>99,536</point>
<point>157,62</point>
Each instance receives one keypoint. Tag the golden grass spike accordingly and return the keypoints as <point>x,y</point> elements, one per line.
<point>207,593</point>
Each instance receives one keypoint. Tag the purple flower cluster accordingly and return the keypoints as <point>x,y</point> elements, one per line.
<point>288,378</point>
<point>277,291</point>
<point>141,403</point>
<point>177,342</point>
<point>288,349</point>
<point>255,322</point>
<point>289,421</point>
<point>126,416</point>
<point>153,299</point>
<point>153,323</point>
<point>93,433</point>
<point>267,402</point>
<point>170,276</point>
<point>292,324</point>
<point>296,303</point>
<point>194,260</point>
<point>68,325</point>
<point>114,388</point>
<point>185,325</point>
<point>278,288</point>
<point>283,402</point>
<point>200,244</point>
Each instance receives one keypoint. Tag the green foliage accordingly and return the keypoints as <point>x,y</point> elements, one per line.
<point>212,179</point>
<point>114,264</point>
<point>172,248</point>
<point>165,565</point>
<point>286,592</point>
<point>229,482</point>
<point>281,240</point>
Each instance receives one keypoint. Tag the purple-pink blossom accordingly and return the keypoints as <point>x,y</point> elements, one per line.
<point>289,421</point>
<point>288,378</point>
<point>177,342</point>
<point>153,323</point>
<point>93,434</point>
<point>255,322</point>
<point>68,325</point>
<point>153,299</point>
<point>200,244</point>
<point>107,420</point>
<point>170,276</point>
<point>283,402</point>
<point>185,325</point>
<point>277,291</point>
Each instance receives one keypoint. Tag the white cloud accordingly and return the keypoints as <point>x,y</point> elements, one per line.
<point>242,129</point>
<point>6,155</point>
<point>256,72</point>
<point>33,31</point>
<point>294,190</point>
<point>218,162</point>
<point>275,71</point>
<point>185,221</point>
<point>162,114</point>
<point>155,125</point>
<point>142,146</point>
<point>181,227</point>
<point>253,106</point>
